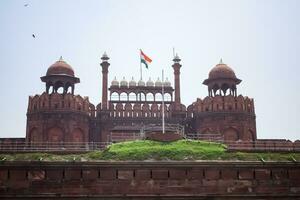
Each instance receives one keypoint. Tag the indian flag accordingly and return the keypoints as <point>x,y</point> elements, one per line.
<point>145,59</point>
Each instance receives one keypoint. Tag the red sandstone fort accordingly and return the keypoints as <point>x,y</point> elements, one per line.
<point>129,109</point>
<point>60,121</point>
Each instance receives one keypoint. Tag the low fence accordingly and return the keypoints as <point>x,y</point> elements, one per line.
<point>207,137</point>
<point>52,146</point>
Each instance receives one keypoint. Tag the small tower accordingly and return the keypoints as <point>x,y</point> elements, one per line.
<point>223,115</point>
<point>221,79</point>
<point>176,66</point>
<point>104,64</point>
<point>60,74</point>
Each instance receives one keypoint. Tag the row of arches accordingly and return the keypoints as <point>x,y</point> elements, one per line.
<point>222,90</point>
<point>138,110</point>
<point>60,87</point>
<point>140,96</point>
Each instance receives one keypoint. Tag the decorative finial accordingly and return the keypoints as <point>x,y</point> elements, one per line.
<point>176,58</point>
<point>221,61</point>
<point>61,58</point>
<point>104,56</point>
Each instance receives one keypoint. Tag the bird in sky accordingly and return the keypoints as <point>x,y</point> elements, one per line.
<point>33,35</point>
<point>25,5</point>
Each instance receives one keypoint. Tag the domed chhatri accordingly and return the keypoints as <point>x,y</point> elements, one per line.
<point>115,82</point>
<point>60,67</point>
<point>60,75</point>
<point>141,83</point>
<point>221,70</point>
<point>132,83</point>
<point>167,83</point>
<point>150,83</point>
<point>124,83</point>
<point>222,78</point>
<point>158,83</point>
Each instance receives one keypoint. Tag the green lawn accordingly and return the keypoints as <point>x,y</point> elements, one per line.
<point>152,150</point>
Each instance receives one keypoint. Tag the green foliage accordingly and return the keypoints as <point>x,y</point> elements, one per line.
<point>152,150</point>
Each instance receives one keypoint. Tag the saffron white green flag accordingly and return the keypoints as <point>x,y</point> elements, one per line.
<point>145,59</point>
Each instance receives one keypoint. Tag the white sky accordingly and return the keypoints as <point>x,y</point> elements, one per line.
<point>258,39</point>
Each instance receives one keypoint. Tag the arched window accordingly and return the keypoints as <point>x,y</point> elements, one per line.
<point>77,135</point>
<point>158,97</point>
<point>167,97</point>
<point>230,134</point>
<point>150,97</point>
<point>55,134</point>
<point>114,96</point>
<point>123,96</point>
<point>142,97</point>
<point>132,96</point>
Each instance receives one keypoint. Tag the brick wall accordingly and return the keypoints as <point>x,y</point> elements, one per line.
<point>148,179</point>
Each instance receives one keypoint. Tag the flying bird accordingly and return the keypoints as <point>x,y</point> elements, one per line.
<point>33,35</point>
<point>25,5</point>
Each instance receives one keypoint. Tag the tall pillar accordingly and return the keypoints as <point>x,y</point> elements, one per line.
<point>104,64</point>
<point>176,66</point>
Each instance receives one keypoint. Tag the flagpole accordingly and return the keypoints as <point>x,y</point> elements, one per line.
<point>163,103</point>
<point>141,66</point>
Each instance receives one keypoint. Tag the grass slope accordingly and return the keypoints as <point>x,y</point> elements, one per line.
<point>152,150</point>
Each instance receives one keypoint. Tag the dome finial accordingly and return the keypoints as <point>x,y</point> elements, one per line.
<point>61,58</point>
<point>104,56</point>
<point>221,61</point>
<point>176,58</point>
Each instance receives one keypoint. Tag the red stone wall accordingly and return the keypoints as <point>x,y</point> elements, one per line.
<point>232,117</point>
<point>150,179</point>
<point>58,118</point>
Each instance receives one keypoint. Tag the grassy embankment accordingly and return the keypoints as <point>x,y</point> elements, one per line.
<point>151,150</point>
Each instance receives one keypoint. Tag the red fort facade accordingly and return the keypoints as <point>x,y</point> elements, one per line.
<point>58,115</point>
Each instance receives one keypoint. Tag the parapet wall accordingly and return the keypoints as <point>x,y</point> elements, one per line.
<point>60,102</point>
<point>150,179</point>
<point>220,104</point>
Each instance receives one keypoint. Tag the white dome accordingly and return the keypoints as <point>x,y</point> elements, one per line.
<point>158,83</point>
<point>132,82</point>
<point>150,83</point>
<point>115,82</point>
<point>167,83</point>
<point>124,82</point>
<point>141,83</point>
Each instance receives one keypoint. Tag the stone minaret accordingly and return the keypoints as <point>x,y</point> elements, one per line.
<point>176,66</point>
<point>104,64</point>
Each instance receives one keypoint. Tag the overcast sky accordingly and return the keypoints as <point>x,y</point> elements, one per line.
<point>260,40</point>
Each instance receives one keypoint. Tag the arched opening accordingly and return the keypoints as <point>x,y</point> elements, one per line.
<point>150,97</point>
<point>142,97</point>
<point>224,88</point>
<point>167,97</point>
<point>248,136</point>
<point>58,87</point>
<point>55,135</point>
<point>123,96</point>
<point>158,97</point>
<point>132,96</point>
<point>77,136</point>
<point>231,134</point>
<point>114,96</point>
